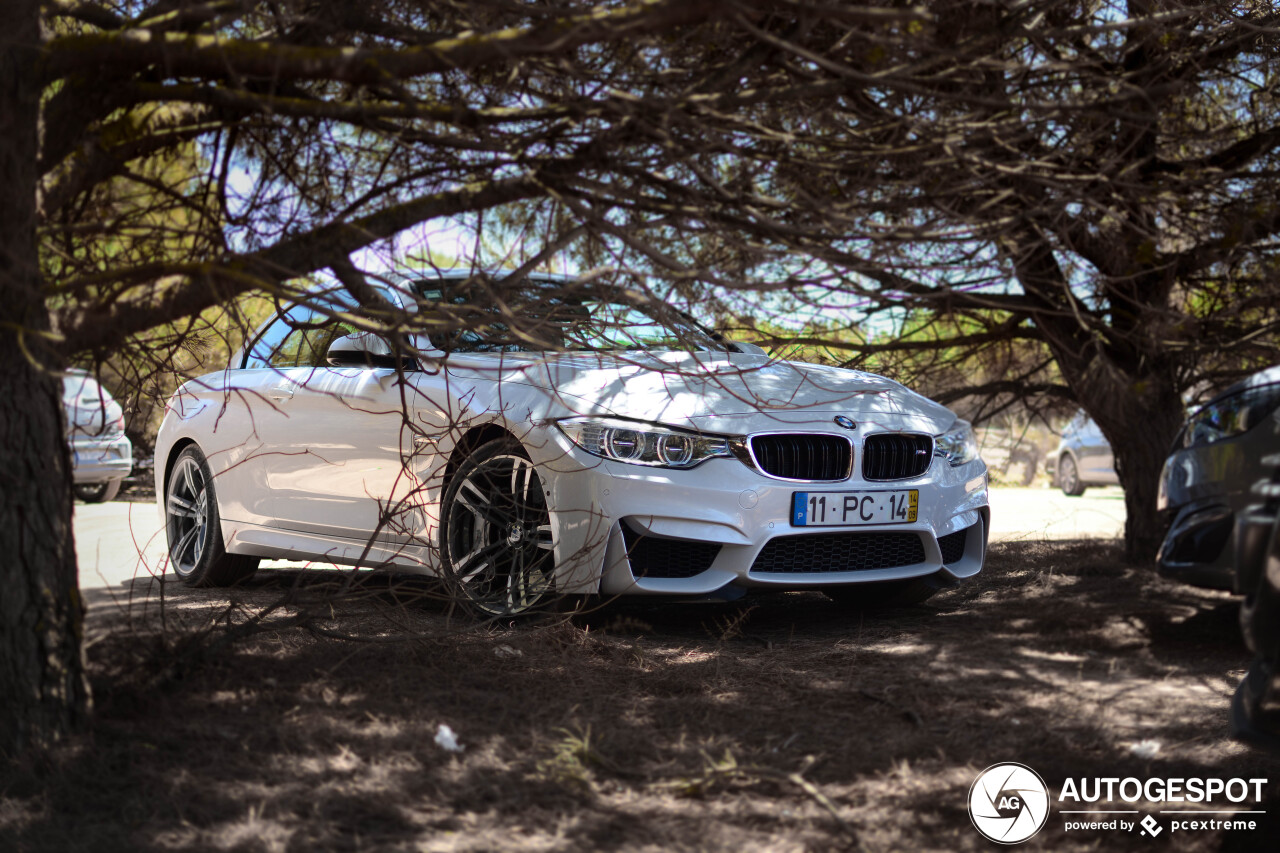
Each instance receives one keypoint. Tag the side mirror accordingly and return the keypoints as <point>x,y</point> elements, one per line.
<point>364,349</point>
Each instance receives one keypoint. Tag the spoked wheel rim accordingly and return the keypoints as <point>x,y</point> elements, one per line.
<point>1070,476</point>
<point>187,515</point>
<point>500,545</point>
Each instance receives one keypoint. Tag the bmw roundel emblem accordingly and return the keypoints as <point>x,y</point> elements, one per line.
<point>847,423</point>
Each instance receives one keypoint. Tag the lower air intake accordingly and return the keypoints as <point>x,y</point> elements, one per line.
<point>839,552</point>
<point>952,546</point>
<point>654,557</point>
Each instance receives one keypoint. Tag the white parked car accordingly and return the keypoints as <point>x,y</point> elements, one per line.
<point>101,455</point>
<point>609,445</point>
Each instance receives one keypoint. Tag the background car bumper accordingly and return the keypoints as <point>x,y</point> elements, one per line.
<point>100,461</point>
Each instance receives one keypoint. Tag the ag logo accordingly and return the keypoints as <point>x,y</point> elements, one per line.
<point>1008,803</point>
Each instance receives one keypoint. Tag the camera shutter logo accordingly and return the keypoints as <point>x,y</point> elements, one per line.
<point>1008,803</point>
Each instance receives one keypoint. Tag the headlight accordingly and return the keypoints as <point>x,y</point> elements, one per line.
<point>957,445</point>
<point>643,444</point>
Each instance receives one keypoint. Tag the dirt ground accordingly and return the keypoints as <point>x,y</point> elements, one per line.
<point>286,717</point>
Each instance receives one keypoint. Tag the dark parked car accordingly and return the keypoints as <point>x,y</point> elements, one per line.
<point>1083,457</point>
<point>1255,709</point>
<point>1207,479</point>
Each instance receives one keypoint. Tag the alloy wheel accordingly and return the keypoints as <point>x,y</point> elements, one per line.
<point>1069,477</point>
<point>187,515</point>
<point>499,546</point>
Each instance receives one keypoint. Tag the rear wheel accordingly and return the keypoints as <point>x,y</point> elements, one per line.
<point>1069,477</point>
<point>96,493</point>
<point>496,542</point>
<point>193,524</point>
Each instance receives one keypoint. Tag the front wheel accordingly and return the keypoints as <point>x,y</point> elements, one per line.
<point>1069,477</point>
<point>496,542</point>
<point>193,524</point>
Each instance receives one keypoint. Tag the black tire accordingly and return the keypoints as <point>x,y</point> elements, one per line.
<point>496,547</point>
<point>868,596</point>
<point>194,526</point>
<point>1069,477</point>
<point>1260,609</point>
<point>1254,715</point>
<point>96,493</point>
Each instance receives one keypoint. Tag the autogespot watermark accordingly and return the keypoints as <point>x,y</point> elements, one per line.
<point>1009,803</point>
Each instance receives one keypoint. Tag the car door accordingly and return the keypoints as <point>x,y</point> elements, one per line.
<point>342,470</point>
<point>253,419</point>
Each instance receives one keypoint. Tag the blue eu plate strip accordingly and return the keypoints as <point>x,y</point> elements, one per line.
<point>800,509</point>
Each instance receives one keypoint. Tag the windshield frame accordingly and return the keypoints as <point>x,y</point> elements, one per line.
<point>496,301</point>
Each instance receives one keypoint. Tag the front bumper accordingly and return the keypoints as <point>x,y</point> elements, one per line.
<point>101,460</point>
<point>1197,548</point>
<point>627,529</point>
<point>1205,489</point>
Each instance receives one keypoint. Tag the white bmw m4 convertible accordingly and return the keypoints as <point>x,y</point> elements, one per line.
<point>562,440</point>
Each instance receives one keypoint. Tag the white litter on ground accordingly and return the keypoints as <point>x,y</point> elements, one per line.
<point>447,740</point>
<point>1145,748</point>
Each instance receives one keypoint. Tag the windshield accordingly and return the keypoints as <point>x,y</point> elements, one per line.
<point>1230,415</point>
<point>481,315</point>
<point>84,390</point>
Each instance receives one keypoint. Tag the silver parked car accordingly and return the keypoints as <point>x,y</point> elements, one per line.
<point>101,454</point>
<point>1083,457</point>
<point>1207,478</point>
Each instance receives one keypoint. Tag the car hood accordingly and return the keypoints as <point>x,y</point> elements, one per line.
<point>714,391</point>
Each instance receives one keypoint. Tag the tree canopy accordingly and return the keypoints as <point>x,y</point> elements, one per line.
<point>166,157</point>
<point>1087,182</point>
<point>1096,180</point>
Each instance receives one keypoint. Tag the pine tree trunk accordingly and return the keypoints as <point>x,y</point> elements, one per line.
<point>1141,429</point>
<point>43,691</point>
<point>1140,476</point>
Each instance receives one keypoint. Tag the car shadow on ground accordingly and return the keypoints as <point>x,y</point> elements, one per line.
<point>301,711</point>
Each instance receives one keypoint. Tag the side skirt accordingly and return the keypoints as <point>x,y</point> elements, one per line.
<point>275,544</point>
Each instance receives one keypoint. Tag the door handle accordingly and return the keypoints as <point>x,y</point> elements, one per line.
<point>281,393</point>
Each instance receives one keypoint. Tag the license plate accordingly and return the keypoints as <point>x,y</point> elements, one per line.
<point>846,509</point>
